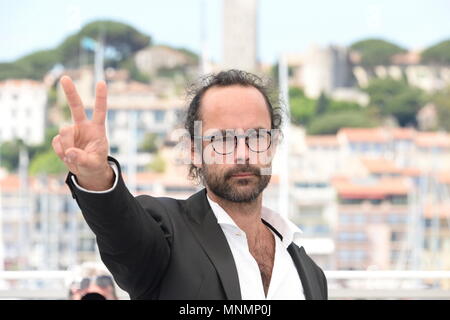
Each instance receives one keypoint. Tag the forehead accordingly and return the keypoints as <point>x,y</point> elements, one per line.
<point>234,107</point>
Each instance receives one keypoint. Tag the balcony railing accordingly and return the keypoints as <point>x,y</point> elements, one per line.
<point>44,285</point>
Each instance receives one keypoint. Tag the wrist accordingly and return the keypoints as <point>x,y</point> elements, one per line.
<point>100,181</point>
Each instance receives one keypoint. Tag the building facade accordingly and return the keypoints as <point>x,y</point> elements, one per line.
<point>240,34</point>
<point>23,106</point>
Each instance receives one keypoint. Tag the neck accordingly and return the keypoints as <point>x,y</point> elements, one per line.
<point>246,215</point>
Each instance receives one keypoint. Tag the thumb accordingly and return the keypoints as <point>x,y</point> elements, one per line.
<point>75,156</point>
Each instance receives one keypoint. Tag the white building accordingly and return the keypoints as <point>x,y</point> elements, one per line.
<point>240,34</point>
<point>22,110</point>
<point>326,69</point>
<point>151,59</point>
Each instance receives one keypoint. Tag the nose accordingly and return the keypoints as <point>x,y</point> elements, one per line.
<point>242,152</point>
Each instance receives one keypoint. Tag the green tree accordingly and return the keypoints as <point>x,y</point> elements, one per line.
<point>442,102</point>
<point>32,66</point>
<point>47,163</point>
<point>9,154</point>
<point>376,52</point>
<point>13,71</point>
<point>39,63</point>
<point>46,145</point>
<point>302,108</point>
<point>330,123</point>
<point>149,143</point>
<point>158,164</point>
<point>130,65</point>
<point>396,98</point>
<point>337,106</point>
<point>121,39</point>
<point>323,104</point>
<point>437,54</point>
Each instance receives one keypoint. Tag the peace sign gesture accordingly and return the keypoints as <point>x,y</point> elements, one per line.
<point>83,146</point>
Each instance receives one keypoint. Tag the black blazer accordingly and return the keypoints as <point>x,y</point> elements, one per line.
<point>163,248</point>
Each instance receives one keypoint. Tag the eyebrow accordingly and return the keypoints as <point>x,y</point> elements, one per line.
<point>224,131</point>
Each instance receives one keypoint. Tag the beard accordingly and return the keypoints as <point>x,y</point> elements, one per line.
<point>240,190</point>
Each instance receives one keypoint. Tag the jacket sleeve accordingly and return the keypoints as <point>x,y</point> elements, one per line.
<point>134,245</point>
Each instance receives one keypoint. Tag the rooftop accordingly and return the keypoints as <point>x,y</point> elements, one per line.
<point>369,189</point>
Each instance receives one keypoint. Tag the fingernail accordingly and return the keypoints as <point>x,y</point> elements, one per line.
<point>71,157</point>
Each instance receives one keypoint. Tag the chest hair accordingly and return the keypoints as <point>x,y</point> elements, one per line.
<point>263,250</point>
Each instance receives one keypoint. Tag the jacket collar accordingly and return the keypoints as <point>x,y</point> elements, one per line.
<point>211,237</point>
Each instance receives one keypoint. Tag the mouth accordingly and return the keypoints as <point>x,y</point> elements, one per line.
<point>243,175</point>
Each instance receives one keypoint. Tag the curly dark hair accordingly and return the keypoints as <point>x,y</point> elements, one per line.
<point>224,79</point>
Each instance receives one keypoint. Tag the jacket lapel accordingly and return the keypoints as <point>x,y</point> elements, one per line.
<point>307,275</point>
<point>209,234</point>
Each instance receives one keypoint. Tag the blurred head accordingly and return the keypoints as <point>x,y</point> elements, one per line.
<point>236,139</point>
<point>101,285</point>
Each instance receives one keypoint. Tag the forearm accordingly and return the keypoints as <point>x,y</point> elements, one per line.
<point>132,244</point>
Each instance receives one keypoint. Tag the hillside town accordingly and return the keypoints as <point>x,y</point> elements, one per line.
<point>372,194</point>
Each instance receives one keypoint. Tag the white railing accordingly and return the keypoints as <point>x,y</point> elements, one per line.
<point>342,285</point>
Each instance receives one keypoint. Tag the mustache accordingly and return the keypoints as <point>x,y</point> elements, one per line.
<point>241,169</point>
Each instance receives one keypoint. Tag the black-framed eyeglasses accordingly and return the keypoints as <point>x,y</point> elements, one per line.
<point>103,281</point>
<point>256,140</point>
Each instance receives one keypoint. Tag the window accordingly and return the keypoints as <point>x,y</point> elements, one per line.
<point>344,219</point>
<point>352,236</point>
<point>159,116</point>
<point>359,219</point>
<point>396,236</point>
<point>111,115</point>
<point>399,199</point>
<point>397,218</point>
<point>350,201</point>
<point>376,201</point>
<point>352,218</point>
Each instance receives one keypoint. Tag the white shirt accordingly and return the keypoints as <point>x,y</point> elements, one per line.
<point>285,282</point>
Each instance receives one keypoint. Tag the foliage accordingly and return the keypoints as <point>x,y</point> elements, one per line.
<point>177,71</point>
<point>302,107</point>
<point>10,150</point>
<point>14,71</point>
<point>32,66</point>
<point>47,163</point>
<point>192,55</point>
<point>9,154</point>
<point>158,164</point>
<point>442,102</point>
<point>395,98</point>
<point>39,63</point>
<point>149,143</point>
<point>330,123</point>
<point>323,104</point>
<point>119,38</point>
<point>376,52</point>
<point>136,75</point>
<point>437,54</point>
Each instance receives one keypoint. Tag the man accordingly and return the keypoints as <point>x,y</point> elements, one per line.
<point>218,244</point>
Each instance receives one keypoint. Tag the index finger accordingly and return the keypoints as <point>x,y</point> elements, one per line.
<point>75,104</point>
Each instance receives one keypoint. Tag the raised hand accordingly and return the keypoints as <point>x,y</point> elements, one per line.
<point>83,146</point>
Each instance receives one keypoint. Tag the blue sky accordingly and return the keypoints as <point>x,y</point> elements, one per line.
<point>284,25</point>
